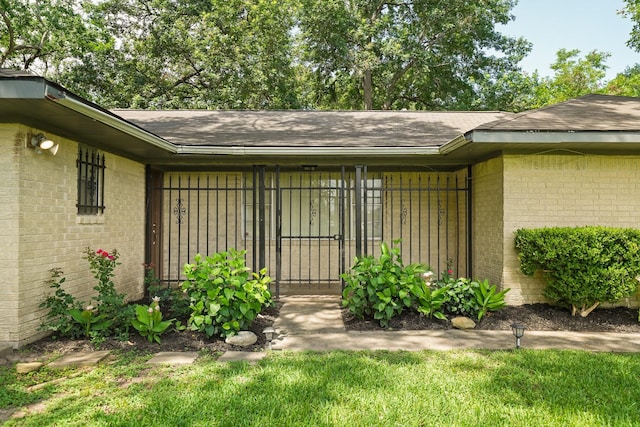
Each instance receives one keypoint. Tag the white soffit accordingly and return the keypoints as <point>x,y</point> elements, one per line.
<point>541,137</point>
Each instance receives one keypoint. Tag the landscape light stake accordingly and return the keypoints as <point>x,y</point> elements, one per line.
<point>518,332</point>
<point>269,332</point>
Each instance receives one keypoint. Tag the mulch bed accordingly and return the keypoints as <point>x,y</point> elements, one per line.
<point>536,317</point>
<point>540,317</point>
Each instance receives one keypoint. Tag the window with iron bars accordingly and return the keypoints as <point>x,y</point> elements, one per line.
<point>91,166</point>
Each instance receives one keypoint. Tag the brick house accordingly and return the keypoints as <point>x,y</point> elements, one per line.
<point>302,191</point>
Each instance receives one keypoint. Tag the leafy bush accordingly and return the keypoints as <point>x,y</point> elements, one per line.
<point>60,304</point>
<point>109,302</point>
<point>488,298</point>
<point>429,301</point>
<point>149,323</point>
<point>225,298</point>
<point>460,296</point>
<point>109,317</point>
<point>380,287</point>
<point>470,298</point>
<point>583,266</point>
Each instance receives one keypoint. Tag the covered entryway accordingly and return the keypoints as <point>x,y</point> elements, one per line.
<point>307,225</point>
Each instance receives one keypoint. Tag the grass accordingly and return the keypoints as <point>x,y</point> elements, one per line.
<point>465,388</point>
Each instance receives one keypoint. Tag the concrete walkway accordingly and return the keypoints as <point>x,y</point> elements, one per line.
<point>315,323</point>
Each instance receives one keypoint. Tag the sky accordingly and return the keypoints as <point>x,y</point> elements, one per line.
<point>585,25</point>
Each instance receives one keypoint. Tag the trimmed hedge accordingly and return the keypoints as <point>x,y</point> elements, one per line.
<point>583,266</point>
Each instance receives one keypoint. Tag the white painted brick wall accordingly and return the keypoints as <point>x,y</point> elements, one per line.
<point>564,190</point>
<point>487,189</point>
<point>43,230</point>
<point>9,236</point>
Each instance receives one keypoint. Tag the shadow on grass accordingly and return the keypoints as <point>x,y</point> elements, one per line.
<point>368,389</point>
<point>604,387</point>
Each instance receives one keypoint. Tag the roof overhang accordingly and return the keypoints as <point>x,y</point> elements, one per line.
<point>39,103</point>
<point>481,144</point>
<point>309,151</point>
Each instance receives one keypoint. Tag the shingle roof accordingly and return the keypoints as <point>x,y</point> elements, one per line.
<point>13,72</point>
<point>587,113</point>
<point>295,128</point>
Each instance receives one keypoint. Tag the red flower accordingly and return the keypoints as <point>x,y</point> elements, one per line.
<point>449,271</point>
<point>104,254</point>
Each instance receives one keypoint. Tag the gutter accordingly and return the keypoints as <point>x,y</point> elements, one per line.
<point>455,144</point>
<point>306,151</point>
<point>88,109</point>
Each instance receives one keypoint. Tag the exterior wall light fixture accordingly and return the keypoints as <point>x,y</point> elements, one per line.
<point>41,143</point>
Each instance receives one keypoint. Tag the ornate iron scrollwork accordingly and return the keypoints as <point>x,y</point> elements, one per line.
<point>313,212</point>
<point>403,213</point>
<point>179,211</point>
<point>441,212</point>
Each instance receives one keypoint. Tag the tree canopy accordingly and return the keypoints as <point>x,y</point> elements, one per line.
<point>291,54</point>
<point>45,35</point>
<point>422,54</point>
<point>632,11</point>
<point>573,77</point>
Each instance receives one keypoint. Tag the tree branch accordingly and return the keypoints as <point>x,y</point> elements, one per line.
<point>11,47</point>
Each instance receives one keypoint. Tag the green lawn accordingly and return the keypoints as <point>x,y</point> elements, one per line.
<point>465,388</point>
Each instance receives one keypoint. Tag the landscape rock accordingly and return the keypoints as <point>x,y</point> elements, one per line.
<point>26,367</point>
<point>463,323</point>
<point>242,339</point>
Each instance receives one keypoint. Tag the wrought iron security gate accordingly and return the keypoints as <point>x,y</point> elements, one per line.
<point>307,227</point>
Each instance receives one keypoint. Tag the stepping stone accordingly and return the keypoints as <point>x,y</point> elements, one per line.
<point>82,358</point>
<point>173,358</point>
<point>251,357</point>
<point>26,367</point>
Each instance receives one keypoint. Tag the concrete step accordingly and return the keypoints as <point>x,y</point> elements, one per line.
<point>309,314</point>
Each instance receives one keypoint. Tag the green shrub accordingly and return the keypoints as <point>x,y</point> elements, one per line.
<point>460,296</point>
<point>110,316</point>
<point>225,298</point>
<point>583,266</point>
<point>470,298</point>
<point>109,303</point>
<point>380,288</point>
<point>148,321</point>
<point>59,319</point>
<point>429,301</point>
<point>488,298</point>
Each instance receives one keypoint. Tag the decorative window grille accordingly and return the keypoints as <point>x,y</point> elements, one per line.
<point>91,166</point>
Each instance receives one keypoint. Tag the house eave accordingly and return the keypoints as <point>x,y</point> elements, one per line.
<point>477,145</point>
<point>36,102</point>
<point>115,122</point>
<point>554,137</point>
<point>307,151</point>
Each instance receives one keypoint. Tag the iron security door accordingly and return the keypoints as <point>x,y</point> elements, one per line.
<point>310,231</point>
<point>306,227</point>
